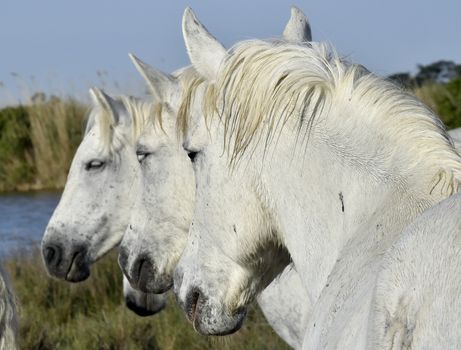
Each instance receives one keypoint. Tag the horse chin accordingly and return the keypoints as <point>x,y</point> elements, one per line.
<point>144,310</point>
<point>212,321</point>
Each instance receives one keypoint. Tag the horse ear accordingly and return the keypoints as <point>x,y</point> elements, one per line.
<point>298,29</point>
<point>159,83</point>
<point>101,99</point>
<point>205,52</point>
<point>107,103</point>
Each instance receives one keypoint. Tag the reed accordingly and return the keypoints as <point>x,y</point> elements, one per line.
<point>37,143</point>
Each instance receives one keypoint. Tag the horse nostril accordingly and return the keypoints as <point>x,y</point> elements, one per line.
<point>52,255</point>
<point>49,254</point>
<point>142,274</point>
<point>146,274</point>
<point>192,300</point>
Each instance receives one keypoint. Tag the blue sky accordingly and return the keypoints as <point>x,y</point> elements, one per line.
<point>59,46</point>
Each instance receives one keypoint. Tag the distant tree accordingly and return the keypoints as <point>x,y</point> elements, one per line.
<point>404,79</point>
<point>16,151</point>
<point>439,72</point>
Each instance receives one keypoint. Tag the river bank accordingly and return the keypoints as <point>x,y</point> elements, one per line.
<point>23,218</point>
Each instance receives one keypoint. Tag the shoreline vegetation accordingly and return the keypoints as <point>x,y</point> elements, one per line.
<point>38,140</point>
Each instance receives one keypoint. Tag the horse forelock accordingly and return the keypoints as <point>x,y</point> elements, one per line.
<point>268,85</point>
<point>113,136</point>
<point>190,81</point>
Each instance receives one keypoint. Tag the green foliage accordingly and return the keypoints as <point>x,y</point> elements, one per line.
<point>444,100</point>
<point>91,315</point>
<point>449,104</point>
<point>438,72</point>
<point>16,164</point>
<point>438,85</point>
<point>403,79</point>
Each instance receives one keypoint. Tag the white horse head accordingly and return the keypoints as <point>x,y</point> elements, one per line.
<point>94,209</point>
<point>201,308</point>
<point>301,178</point>
<point>162,213</point>
<point>154,241</point>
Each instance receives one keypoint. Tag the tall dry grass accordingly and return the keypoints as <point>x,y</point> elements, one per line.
<point>37,143</point>
<point>55,132</point>
<point>91,315</point>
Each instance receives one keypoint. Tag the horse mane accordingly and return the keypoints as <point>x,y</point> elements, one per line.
<point>269,85</point>
<point>190,81</point>
<point>140,113</point>
<point>143,112</point>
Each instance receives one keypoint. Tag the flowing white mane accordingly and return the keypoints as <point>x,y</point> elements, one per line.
<point>112,138</point>
<point>190,81</point>
<point>270,85</point>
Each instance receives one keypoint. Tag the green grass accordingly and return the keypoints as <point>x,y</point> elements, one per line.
<point>91,315</point>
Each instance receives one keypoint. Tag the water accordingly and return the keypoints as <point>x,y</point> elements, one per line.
<point>23,218</point>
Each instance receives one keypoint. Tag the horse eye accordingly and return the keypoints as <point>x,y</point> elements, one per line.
<point>192,155</point>
<point>141,156</point>
<point>94,165</point>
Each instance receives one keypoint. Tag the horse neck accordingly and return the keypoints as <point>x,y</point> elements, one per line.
<point>326,200</point>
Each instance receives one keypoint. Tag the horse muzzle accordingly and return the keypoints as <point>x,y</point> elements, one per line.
<point>142,274</point>
<point>67,264</point>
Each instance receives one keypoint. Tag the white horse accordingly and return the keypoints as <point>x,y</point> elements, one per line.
<point>73,225</point>
<point>311,154</point>
<point>94,209</point>
<point>160,219</point>
<point>8,316</point>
